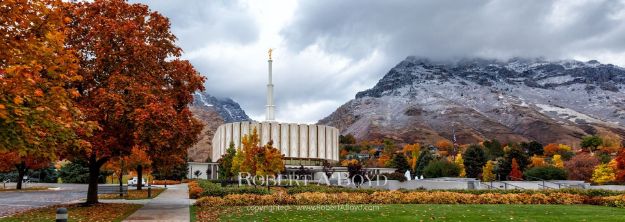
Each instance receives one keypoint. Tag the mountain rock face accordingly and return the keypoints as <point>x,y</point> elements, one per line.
<point>420,100</point>
<point>212,112</point>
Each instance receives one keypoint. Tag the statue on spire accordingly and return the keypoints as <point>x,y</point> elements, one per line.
<point>270,50</point>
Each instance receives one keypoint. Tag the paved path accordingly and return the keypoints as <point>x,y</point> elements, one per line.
<point>17,201</point>
<point>171,205</point>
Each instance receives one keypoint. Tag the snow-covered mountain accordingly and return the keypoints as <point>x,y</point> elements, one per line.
<point>420,100</point>
<point>213,112</point>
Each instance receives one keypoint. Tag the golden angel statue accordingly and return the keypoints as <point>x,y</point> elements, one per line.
<point>270,50</point>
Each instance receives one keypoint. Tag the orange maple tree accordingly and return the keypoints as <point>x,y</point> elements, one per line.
<point>515,172</point>
<point>134,85</point>
<point>37,115</point>
<point>10,161</point>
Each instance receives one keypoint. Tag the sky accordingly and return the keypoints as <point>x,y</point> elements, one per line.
<point>326,51</point>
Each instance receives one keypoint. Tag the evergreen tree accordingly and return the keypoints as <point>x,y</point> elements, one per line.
<point>474,159</point>
<point>399,161</point>
<point>493,149</point>
<point>533,148</point>
<point>225,162</point>
<point>424,159</point>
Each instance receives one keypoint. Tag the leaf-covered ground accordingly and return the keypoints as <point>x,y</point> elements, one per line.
<point>413,212</point>
<point>95,213</point>
<point>134,194</point>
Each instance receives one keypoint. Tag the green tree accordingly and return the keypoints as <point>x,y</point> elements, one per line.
<point>399,161</point>
<point>225,162</point>
<point>424,159</point>
<point>591,143</point>
<point>441,168</point>
<point>493,149</point>
<point>546,173</point>
<point>533,148</point>
<point>474,159</point>
<point>505,165</point>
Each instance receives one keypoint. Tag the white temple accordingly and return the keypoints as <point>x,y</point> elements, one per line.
<point>301,144</point>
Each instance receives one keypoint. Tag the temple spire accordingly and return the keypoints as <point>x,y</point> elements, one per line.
<point>269,115</point>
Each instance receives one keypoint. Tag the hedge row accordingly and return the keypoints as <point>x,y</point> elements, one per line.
<point>397,197</point>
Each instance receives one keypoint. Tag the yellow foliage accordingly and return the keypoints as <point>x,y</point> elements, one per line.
<point>557,161</point>
<point>460,162</point>
<point>603,173</point>
<point>537,161</point>
<point>487,171</point>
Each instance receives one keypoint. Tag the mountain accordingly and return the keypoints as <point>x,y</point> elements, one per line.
<point>421,100</point>
<point>213,112</point>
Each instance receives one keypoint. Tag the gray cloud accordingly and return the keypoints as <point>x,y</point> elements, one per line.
<point>329,50</point>
<point>445,28</point>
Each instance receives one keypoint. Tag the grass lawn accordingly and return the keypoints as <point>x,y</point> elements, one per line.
<point>96,213</point>
<point>415,212</point>
<point>134,194</point>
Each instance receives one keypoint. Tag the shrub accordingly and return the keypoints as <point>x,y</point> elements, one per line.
<point>546,173</point>
<point>194,190</point>
<point>213,189</point>
<point>581,167</point>
<point>398,197</point>
<point>441,168</point>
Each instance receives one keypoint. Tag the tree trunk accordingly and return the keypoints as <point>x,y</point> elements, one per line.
<point>139,177</point>
<point>121,182</point>
<point>94,173</point>
<point>21,171</point>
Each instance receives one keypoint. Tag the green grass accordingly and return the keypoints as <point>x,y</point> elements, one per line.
<point>427,212</point>
<point>193,213</point>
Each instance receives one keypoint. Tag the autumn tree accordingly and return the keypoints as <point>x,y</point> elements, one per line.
<point>250,151</point>
<point>537,161</point>
<point>515,172</point>
<point>557,161</point>
<point>445,145</point>
<point>487,171</point>
<point>474,160</point>
<point>140,161</point>
<point>581,167</point>
<point>460,162</point>
<point>551,149</point>
<point>619,165</point>
<point>411,151</point>
<point>10,161</point>
<point>134,85</point>
<point>37,115</point>
<point>603,173</point>
<point>269,161</point>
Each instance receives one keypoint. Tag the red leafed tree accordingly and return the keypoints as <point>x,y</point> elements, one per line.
<point>37,114</point>
<point>620,166</point>
<point>140,161</point>
<point>13,161</point>
<point>134,84</point>
<point>581,167</point>
<point>515,172</point>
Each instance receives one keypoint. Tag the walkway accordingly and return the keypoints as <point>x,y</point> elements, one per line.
<point>171,205</point>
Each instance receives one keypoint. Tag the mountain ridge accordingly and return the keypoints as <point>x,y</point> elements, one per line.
<point>420,100</point>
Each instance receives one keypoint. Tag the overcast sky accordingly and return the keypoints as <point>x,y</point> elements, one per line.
<point>326,51</point>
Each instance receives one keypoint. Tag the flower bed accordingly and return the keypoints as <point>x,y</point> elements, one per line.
<point>398,197</point>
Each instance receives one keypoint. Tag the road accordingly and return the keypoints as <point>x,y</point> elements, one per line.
<point>16,201</point>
